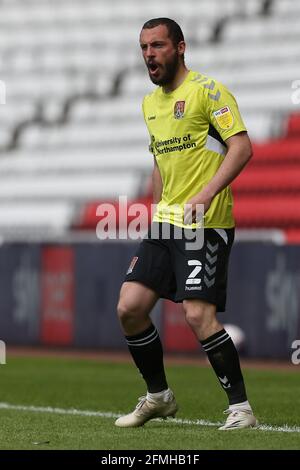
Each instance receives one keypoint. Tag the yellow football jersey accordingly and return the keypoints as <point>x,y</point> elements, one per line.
<point>187,128</point>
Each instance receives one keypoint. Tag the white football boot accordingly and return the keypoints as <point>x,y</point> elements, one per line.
<point>148,408</point>
<point>238,419</point>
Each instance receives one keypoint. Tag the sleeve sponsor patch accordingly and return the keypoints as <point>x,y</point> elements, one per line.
<point>224,118</point>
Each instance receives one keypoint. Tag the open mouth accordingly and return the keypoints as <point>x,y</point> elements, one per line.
<point>153,68</point>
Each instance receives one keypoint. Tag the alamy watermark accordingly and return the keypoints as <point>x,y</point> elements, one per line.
<point>2,352</point>
<point>123,221</point>
<point>295,358</point>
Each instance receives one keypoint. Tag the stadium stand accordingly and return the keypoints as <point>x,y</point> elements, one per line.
<point>293,126</point>
<point>71,131</point>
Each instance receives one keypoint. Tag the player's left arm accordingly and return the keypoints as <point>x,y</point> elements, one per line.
<point>239,152</point>
<point>223,114</point>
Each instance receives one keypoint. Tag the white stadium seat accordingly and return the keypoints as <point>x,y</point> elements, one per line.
<point>79,135</point>
<point>50,216</point>
<point>285,7</point>
<point>27,162</point>
<point>262,28</point>
<point>234,56</point>
<point>61,187</point>
<point>15,111</point>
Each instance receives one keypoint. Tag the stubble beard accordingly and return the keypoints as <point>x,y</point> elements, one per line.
<point>170,70</point>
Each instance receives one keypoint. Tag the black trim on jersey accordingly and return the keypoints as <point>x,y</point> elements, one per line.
<point>212,131</point>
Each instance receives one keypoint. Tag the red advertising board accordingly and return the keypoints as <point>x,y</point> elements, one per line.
<point>177,335</point>
<point>57,296</point>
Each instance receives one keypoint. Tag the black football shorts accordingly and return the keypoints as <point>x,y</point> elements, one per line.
<point>177,273</point>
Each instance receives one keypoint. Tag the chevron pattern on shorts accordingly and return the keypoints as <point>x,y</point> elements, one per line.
<point>211,259</point>
<point>212,248</point>
<point>210,265</point>
<point>210,271</point>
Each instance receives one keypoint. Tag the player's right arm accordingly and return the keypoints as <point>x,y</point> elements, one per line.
<point>156,183</point>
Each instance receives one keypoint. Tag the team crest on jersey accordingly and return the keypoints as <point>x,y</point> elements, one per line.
<point>179,109</point>
<point>224,118</point>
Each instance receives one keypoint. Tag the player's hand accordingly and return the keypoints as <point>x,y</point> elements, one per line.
<point>196,207</point>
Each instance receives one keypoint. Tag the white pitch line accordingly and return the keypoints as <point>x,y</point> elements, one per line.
<point>107,414</point>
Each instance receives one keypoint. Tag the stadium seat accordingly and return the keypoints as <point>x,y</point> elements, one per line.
<point>264,28</point>
<point>88,217</point>
<point>293,126</point>
<point>277,151</point>
<point>5,136</point>
<point>224,57</point>
<point>268,179</point>
<point>119,108</point>
<point>292,236</point>
<point>85,136</point>
<point>283,7</point>
<point>76,161</point>
<point>279,211</point>
<point>45,215</point>
<point>69,187</point>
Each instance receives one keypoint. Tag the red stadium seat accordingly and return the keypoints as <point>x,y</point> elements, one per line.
<point>267,211</point>
<point>262,179</point>
<point>89,219</point>
<point>292,236</point>
<point>293,126</point>
<point>277,151</point>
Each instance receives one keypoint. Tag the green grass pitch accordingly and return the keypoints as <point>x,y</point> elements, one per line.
<point>90,385</point>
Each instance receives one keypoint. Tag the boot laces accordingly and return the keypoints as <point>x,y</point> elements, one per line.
<point>141,401</point>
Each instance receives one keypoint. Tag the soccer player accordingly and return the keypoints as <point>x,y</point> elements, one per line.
<point>200,145</point>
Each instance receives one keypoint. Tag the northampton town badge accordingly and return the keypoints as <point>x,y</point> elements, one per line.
<point>179,109</point>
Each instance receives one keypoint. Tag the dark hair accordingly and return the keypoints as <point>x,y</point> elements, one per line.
<point>174,30</point>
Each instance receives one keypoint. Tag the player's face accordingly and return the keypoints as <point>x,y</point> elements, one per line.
<point>160,55</point>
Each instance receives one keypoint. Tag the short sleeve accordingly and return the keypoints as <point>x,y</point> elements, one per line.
<point>150,147</point>
<point>222,111</point>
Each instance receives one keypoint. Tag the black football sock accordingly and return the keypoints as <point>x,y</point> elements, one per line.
<point>224,359</point>
<point>147,353</point>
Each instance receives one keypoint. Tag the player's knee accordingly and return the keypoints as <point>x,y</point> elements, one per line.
<point>198,315</point>
<point>194,317</point>
<point>127,312</point>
